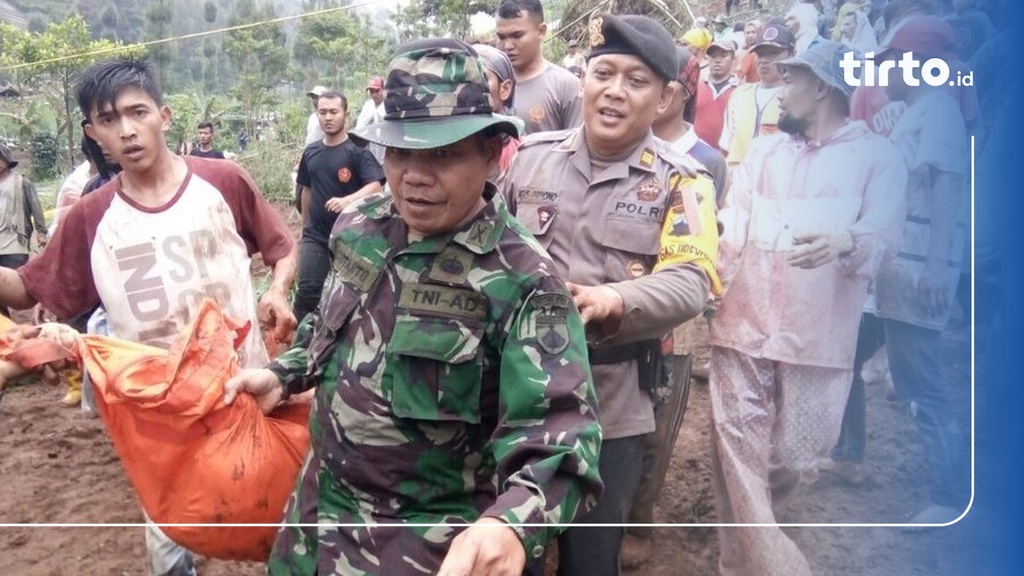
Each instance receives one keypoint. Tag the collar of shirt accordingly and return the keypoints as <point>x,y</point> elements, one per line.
<point>480,235</point>
<point>845,132</point>
<point>716,93</point>
<point>643,157</point>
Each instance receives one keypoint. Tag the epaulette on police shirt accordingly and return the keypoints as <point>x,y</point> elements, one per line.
<point>684,163</point>
<point>540,137</point>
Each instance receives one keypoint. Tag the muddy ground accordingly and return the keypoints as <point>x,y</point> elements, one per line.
<point>57,466</point>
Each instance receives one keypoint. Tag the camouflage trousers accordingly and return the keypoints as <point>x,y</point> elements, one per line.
<point>365,544</point>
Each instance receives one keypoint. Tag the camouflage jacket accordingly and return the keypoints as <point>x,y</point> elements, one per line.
<point>451,383</point>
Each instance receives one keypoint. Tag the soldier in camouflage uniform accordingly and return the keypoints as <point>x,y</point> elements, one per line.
<point>446,356</point>
<point>632,228</point>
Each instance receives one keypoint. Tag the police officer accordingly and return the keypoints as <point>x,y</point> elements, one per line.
<point>631,227</point>
<point>445,353</point>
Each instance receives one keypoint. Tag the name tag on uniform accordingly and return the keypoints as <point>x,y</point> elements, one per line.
<point>353,269</point>
<point>443,300</point>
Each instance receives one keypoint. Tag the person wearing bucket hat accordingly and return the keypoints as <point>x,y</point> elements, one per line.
<point>471,357</point>
<point>753,109</point>
<point>21,215</point>
<point>627,221</point>
<point>819,237</point>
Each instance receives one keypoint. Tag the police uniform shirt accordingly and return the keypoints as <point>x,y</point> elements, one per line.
<point>607,229</point>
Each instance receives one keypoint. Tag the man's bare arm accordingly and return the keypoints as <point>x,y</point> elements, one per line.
<point>13,293</point>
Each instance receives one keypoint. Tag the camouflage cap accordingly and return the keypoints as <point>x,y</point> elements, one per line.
<point>435,94</point>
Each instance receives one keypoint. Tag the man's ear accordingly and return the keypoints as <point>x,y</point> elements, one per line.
<point>823,90</point>
<point>669,91</point>
<point>90,130</point>
<point>542,29</point>
<point>167,115</point>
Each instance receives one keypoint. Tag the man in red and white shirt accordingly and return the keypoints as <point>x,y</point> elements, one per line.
<point>154,241</point>
<point>713,93</point>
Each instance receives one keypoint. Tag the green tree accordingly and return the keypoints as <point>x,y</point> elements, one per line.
<point>258,55</point>
<point>421,18</point>
<point>345,43</point>
<point>47,63</point>
<point>158,27</point>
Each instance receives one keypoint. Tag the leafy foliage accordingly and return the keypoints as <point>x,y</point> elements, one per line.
<point>39,62</point>
<point>45,156</point>
<point>420,18</point>
<point>270,163</point>
<point>259,57</point>
<point>346,44</point>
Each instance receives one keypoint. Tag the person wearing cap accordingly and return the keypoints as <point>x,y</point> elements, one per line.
<point>930,37</point>
<point>673,125</point>
<point>313,134</point>
<point>448,359</point>
<point>573,59</point>
<point>916,289</point>
<point>753,109</point>
<point>20,216</point>
<point>547,96</point>
<point>927,37</point>
<point>313,131</point>
<point>809,218</point>
<point>713,92</point>
<point>630,225</point>
<point>719,27</point>
<point>372,111</point>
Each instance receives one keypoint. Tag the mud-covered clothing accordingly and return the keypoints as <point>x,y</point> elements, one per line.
<point>441,365</point>
<point>151,267</point>
<point>786,187</point>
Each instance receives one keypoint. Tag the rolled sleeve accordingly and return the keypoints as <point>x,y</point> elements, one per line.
<point>547,440</point>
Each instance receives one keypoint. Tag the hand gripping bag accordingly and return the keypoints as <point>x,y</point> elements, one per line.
<point>190,458</point>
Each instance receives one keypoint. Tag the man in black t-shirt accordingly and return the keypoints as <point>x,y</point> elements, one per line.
<point>205,149</point>
<point>333,174</point>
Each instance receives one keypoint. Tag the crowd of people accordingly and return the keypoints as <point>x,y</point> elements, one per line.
<point>503,260</point>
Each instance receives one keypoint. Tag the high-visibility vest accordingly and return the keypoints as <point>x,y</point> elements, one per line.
<point>751,121</point>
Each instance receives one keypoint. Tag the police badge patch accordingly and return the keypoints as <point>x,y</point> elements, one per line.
<point>594,32</point>
<point>552,328</point>
<point>649,190</point>
<point>545,214</point>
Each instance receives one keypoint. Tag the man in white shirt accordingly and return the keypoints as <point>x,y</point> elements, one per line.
<point>373,111</point>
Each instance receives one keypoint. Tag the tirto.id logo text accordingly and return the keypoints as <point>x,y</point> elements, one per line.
<point>934,71</point>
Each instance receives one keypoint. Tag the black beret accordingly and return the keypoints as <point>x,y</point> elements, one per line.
<point>639,36</point>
